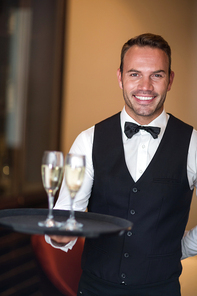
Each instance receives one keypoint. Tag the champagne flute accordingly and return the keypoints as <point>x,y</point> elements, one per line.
<point>51,170</point>
<point>74,175</point>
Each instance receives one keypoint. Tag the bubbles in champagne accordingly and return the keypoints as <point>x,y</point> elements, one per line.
<point>51,177</point>
<point>74,177</point>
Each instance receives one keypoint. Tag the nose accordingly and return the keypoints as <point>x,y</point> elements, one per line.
<point>145,84</point>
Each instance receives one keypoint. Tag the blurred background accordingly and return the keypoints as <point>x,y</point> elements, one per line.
<point>58,62</point>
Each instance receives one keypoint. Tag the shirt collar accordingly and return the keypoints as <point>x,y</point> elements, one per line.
<point>161,121</point>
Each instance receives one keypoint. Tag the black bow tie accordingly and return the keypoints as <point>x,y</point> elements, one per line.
<point>131,128</point>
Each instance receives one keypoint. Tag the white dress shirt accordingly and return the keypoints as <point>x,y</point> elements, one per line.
<point>139,151</point>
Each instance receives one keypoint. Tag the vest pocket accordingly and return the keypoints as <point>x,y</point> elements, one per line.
<point>163,267</point>
<point>166,180</point>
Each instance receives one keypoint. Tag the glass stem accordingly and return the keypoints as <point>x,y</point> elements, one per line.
<point>72,214</point>
<point>50,202</point>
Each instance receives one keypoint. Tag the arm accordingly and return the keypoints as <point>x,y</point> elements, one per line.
<point>189,243</point>
<point>82,145</point>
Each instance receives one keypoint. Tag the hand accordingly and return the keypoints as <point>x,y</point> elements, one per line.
<point>61,240</point>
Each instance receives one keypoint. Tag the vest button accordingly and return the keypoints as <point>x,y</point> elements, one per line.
<point>132,212</point>
<point>123,275</point>
<point>126,255</point>
<point>129,233</point>
<point>123,283</point>
<point>134,189</point>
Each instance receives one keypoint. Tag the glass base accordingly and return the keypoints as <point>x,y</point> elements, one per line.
<point>49,223</point>
<point>72,224</point>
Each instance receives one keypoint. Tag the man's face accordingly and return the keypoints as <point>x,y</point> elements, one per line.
<point>145,82</point>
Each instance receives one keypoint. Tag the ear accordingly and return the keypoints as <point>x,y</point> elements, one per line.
<point>171,80</point>
<point>119,76</point>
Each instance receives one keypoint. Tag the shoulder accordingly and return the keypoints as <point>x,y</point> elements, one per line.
<point>83,142</point>
<point>85,139</point>
<point>179,122</point>
<point>194,138</point>
<point>112,118</point>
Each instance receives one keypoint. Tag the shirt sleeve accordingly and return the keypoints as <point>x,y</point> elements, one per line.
<point>82,145</point>
<point>189,243</point>
<point>192,161</point>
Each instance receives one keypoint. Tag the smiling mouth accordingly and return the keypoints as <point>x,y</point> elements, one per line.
<point>143,98</point>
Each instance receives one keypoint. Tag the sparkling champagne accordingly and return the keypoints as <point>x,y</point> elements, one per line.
<point>51,177</point>
<point>74,178</point>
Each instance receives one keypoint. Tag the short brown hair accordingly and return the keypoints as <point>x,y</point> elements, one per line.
<point>147,39</point>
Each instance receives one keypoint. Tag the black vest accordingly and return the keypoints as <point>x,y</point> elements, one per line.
<point>158,205</point>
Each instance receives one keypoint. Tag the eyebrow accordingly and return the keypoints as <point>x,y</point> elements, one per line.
<point>133,70</point>
<point>137,71</point>
<point>159,71</point>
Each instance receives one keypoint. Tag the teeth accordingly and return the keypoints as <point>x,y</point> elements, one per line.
<point>144,98</point>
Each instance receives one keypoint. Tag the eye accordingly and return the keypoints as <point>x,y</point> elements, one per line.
<point>134,74</point>
<point>157,75</point>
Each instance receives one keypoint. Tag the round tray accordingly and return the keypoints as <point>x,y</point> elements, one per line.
<point>94,225</point>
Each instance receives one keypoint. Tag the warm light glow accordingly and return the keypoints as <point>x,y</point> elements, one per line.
<point>6,170</point>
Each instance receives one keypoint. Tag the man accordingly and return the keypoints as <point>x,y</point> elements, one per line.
<point>143,173</point>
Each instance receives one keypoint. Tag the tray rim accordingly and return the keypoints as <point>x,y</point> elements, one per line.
<point>121,223</point>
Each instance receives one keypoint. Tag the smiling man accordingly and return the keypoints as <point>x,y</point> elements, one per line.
<point>145,79</point>
<point>141,166</point>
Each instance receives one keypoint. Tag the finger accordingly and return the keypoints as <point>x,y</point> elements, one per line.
<point>62,239</point>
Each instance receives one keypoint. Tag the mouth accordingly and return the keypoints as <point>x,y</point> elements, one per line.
<point>144,98</point>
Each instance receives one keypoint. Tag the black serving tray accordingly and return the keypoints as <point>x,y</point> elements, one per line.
<point>94,225</point>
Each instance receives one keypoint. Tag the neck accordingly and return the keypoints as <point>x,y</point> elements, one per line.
<point>143,119</point>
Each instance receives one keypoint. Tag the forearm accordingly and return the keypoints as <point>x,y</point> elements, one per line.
<point>82,145</point>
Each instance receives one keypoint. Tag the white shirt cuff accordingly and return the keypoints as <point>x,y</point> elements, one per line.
<point>65,248</point>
